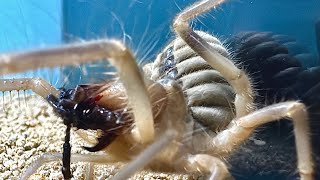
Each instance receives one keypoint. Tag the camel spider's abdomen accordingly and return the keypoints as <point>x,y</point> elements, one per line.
<point>208,95</point>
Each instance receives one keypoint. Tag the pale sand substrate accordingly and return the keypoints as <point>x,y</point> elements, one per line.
<point>29,129</point>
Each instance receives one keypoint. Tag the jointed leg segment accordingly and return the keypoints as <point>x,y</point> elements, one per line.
<point>240,129</point>
<point>37,85</point>
<point>243,125</point>
<point>84,52</point>
<point>120,57</point>
<point>236,78</point>
<point>206,163</point>
<point>49,157</point>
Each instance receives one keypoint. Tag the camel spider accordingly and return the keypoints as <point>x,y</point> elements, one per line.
<point>180,92</point>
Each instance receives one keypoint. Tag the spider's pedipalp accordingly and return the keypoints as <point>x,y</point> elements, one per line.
<point>37,85</point>
<point>72,54</point>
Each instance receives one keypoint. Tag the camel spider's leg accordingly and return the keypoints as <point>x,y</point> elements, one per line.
<point>206,163</point>
<point>239,130</point>
<point>235,77</point>
<point>140,161</point>
<point>118,55</point>
<point>49,157</point>
<point>37,85</point>
<point>146,156</point>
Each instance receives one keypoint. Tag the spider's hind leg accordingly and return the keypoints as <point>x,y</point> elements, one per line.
<point>206,163</point>
<point>244,123</point>
<point>235,77</point>
<point>239,130</point>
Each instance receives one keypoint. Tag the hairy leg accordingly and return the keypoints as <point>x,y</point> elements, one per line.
<point>241,127</point>
<point>83,52</point>
<point>206,163</point>
<point>37,85</point>
<point>146,156</point>
<point>239,130</point>
<point>235,77</point>
<point>49,157</point>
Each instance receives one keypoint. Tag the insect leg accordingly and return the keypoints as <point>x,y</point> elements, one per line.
<point>66,156</point>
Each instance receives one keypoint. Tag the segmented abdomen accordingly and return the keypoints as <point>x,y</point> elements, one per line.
<point>209,97</point>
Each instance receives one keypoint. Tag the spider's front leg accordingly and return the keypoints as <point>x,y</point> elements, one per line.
<point>83,52</point>
<point>128,71</point>
<point>243,125</point>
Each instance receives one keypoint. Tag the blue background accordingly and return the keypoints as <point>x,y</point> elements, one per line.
<point>29,24</point>
<point>144,25</point>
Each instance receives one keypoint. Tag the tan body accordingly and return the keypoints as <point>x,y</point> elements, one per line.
<point>166,127</point>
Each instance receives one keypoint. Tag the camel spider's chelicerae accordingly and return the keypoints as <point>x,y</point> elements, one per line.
<point>192,91</point>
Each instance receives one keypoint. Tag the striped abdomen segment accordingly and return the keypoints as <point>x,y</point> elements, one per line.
<point>209,97</point>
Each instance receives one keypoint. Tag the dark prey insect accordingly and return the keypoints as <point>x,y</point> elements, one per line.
<point>78,109</point>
